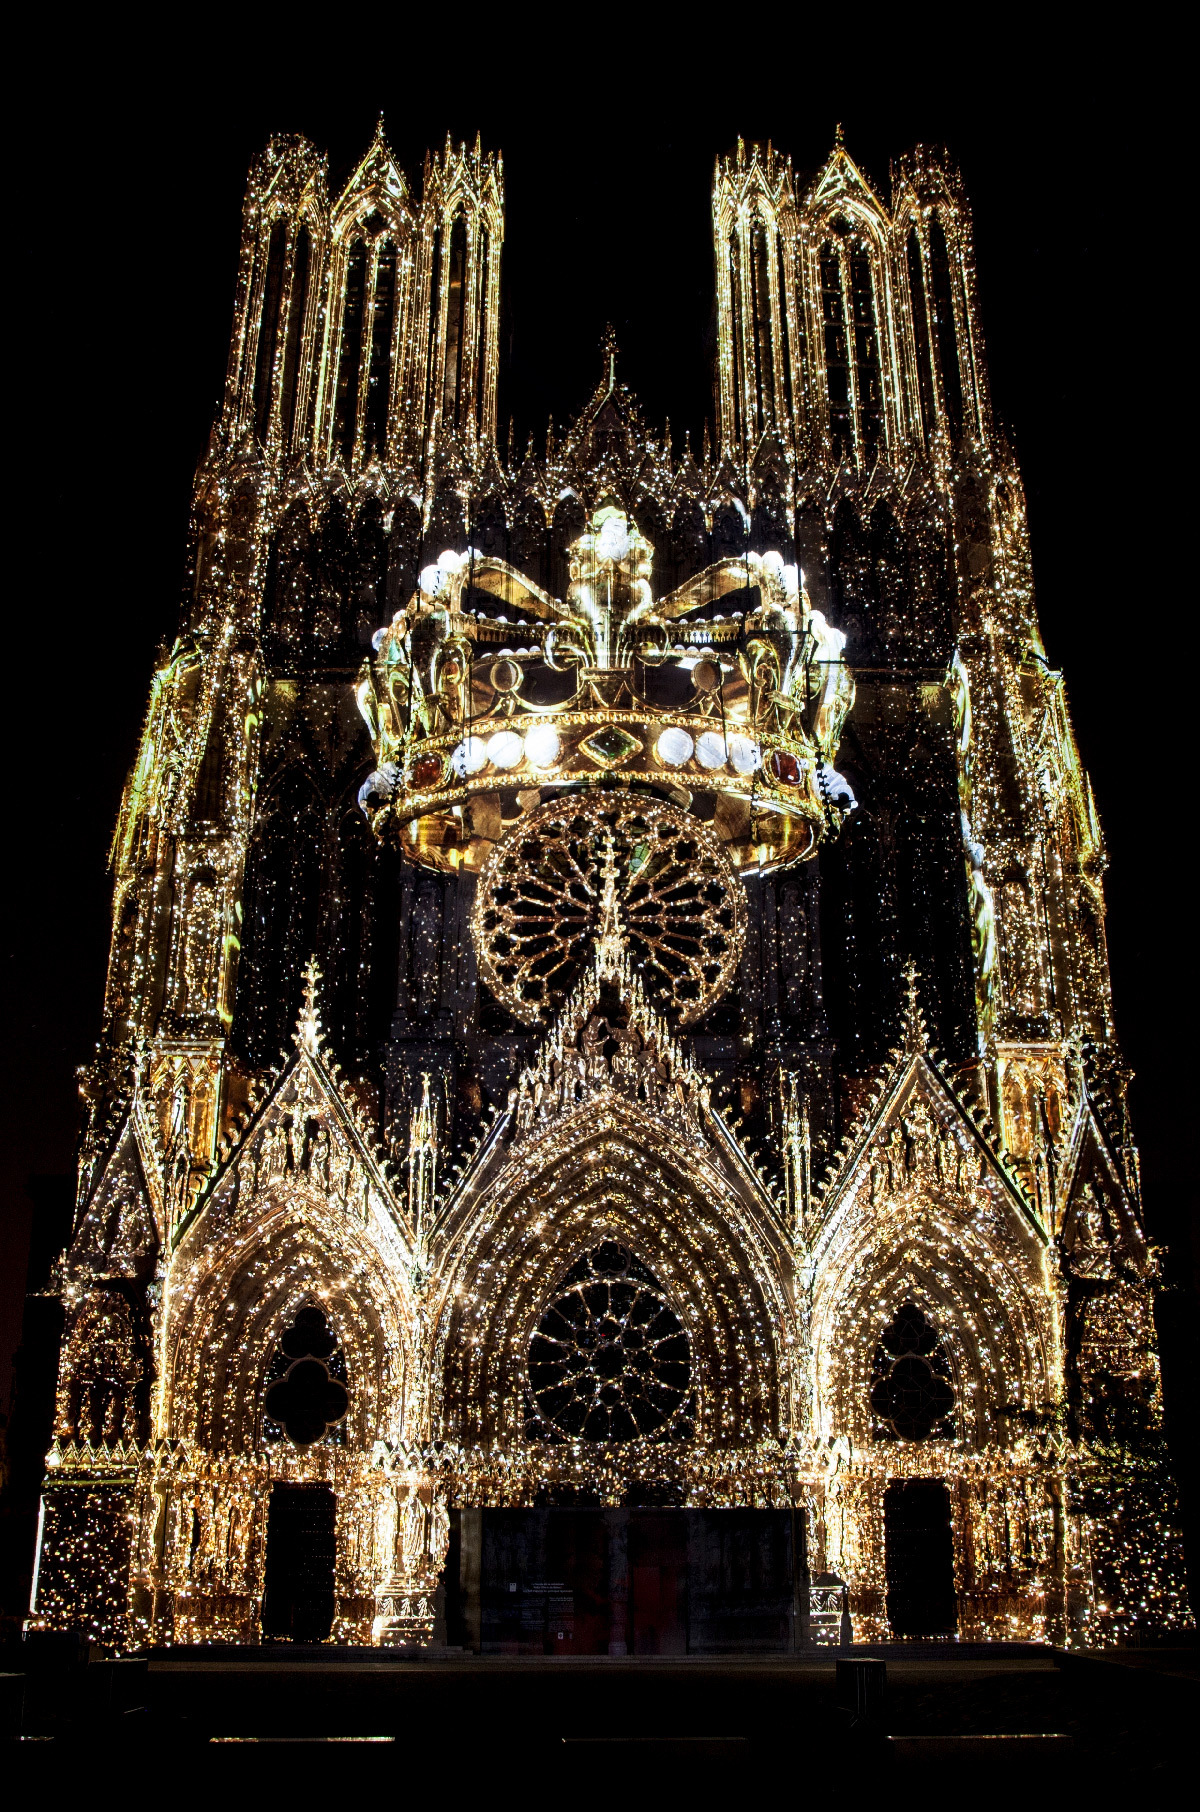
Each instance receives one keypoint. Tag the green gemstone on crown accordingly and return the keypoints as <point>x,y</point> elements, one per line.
<point>609,747</point>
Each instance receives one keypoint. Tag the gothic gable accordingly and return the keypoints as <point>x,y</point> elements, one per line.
<point>609,1138</point>
<point>1099,1227</point>
<point>306,1133</point>
<point>117,1235</point>
<point>301,1210</point>
<point>923,1216</point>
<point>841,180</point>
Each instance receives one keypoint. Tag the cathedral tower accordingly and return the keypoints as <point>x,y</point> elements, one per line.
<point>607,1016</point>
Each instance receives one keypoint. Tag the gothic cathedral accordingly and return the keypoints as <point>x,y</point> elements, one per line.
<point>607,1133</point>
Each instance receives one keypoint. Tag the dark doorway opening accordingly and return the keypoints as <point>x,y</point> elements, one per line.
<point>301,1555</point>
<point>624,1581</point>
<point>658,1552</point>
<point>920,1558</point>
<point>742,1583</point>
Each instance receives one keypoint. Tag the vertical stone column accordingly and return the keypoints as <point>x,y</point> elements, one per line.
<point>406,1603</point>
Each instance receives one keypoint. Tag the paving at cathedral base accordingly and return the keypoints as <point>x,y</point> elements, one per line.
<point>607,1158</point>
<point>1012,1713</point>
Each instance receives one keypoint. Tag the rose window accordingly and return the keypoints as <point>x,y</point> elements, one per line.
<point>609,1359</point>
<point>912,1394</point>
<point>539,898</point>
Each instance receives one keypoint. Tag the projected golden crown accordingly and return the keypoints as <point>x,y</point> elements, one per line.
<point>487,697</point>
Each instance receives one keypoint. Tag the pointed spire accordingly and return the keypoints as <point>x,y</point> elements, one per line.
<point>422,1164</point>
<point>916,1037</point>
<point>839,138</point>
<point>309,1031</point>
<point>610,945</point>
<point>609,349</point>
<point>797,1145</point>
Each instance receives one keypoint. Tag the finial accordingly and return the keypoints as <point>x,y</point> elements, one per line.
<point>422,1168</point>
<point>609,349</point>
<point>308,1024</point>
<point>838,137</point>
<point>610,946</point>
<point>916,1038</point>
<point>379,125</point>
<point>422,1129</point>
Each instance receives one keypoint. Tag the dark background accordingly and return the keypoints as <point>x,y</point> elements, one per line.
<point>131,178</point>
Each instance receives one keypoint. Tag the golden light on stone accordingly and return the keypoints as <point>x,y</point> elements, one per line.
<point>636,1040</point>
<point>540,895</point>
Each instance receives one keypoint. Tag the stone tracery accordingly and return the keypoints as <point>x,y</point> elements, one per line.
<point>649,641</point>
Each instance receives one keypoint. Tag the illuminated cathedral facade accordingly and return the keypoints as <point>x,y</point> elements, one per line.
<point>607,1132</point>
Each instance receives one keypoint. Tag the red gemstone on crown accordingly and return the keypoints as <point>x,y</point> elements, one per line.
<point>427,770</point>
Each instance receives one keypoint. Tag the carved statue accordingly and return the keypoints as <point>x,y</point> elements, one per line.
<point>626,1065</point>
<point>412,1534</point>
<point>202,953</point>
<point>592,1041</point>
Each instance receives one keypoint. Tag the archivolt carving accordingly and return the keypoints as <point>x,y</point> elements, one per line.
<point>985,1294</point>
<point>233,1301</point>
<point>100,1374</point>
<point>606,1173</point>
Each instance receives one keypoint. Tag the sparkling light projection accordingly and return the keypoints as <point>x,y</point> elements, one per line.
<point>608,997</point>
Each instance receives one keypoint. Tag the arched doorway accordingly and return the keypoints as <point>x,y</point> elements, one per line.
<point>298,1602</point>
<point>919,1549</point>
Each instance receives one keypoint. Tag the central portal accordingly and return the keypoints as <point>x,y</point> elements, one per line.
<point>624,1582</point>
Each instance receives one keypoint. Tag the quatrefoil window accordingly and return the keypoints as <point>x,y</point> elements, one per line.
<point>306,1395</point>
<point>912,1393</point>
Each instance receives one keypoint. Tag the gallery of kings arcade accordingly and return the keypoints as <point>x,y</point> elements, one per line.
<point>607,1134</point>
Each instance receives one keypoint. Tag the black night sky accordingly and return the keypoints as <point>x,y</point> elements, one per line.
<point>131,191</point>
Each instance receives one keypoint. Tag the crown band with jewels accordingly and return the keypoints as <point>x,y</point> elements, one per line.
<point>734,713</point>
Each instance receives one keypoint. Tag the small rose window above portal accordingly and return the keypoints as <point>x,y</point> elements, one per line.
<point>610,1359</point>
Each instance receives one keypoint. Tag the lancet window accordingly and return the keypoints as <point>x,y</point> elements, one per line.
<point>790,364</point>
<point>456,280</point>
<point>372,302</point>
<point>760,300</point>
<point>757,287</point>
<point>379,370</point>
<point>268,330</point>
<point>940,346</point>
<point>922,345</point>
<point>945,327</point>
<point>739,344</point>
<point>485,278</point>
<point>345,416</point>
<point>294,344</point>
<point>850,315</point>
